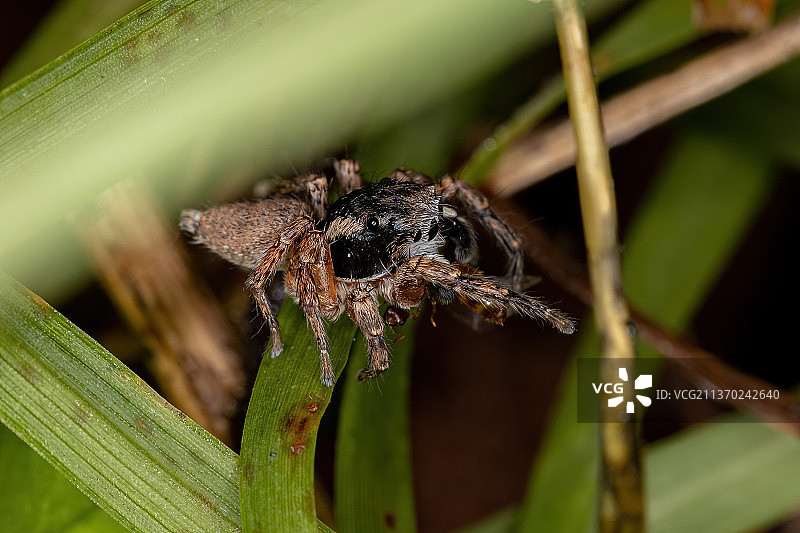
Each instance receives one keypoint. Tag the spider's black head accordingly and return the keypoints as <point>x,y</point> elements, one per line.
<point>374,229</point>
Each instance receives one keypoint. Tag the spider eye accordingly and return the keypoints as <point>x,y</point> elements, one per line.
<point>372,223</point>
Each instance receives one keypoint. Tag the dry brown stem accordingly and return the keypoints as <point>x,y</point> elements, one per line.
<point>552,149</point>
<point>144,270</point>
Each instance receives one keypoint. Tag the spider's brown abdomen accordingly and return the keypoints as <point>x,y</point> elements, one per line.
<point>242,232</point>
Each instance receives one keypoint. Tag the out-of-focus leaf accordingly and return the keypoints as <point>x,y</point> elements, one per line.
<point>184,91</point>
<point>276,472</point>
<point>35,498</point>
<point>373,488</point>
<point>687,228</point>
<point>651,29</point>
<point>769,129</point>
<point>124,446</point>
<point>690,222</point>
<point>726,477</point>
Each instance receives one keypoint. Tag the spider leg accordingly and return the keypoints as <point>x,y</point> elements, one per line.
<point>348,176</point>
<point>363,310</point>
<point>310,279</point>
<point>313,185</point>
<point>263,273</point>
<point>403,174</point>
<point>478,208</point>
<point>481,293</point>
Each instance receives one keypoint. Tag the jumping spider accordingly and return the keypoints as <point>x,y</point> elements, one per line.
<point>386,239</point>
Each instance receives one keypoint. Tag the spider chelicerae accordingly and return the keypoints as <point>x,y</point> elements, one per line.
<point>400,239</point>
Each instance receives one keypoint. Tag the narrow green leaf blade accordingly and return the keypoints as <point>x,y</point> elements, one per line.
<point>373,482</point>
<point>35,498</point>
<point>123,445</point>
<point>726,477</point>
<point>68,23</point>
<point>280,431</point>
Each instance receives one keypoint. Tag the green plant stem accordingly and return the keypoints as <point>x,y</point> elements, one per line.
<point>621,499</point>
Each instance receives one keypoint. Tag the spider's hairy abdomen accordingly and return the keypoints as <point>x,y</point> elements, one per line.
<point>242,232</point>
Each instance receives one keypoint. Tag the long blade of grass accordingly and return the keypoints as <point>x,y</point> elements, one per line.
<point>697,212</point>
<point>124,446</point>
<point>373,486</point>
<point>67,24</point>
<point>280,432</point>
<point>35,498</point>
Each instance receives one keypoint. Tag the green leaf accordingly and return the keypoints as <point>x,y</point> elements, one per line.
<point>697,211</point>
<point>649,30</point>
<point>185,91</point>
<point>88,415</point>
<point>280,432</point>
<point>35,498</point>
<point>67,24</point>
<point>373,486</point>
<point>689,225</point>
<point>725,477</point>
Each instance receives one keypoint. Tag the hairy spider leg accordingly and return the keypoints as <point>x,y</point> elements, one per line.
<point>362,307</point>
<point>478,208</point>
<point>348,175</point>
<point>479,292</point>
<point>263,273</point>
<point>314,185</point>
<point>310,278</point>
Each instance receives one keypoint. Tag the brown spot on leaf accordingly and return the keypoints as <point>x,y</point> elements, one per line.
<point>173,8</point>
<point>224,19</point>
<point>248,472</point>
<point>163,54</point>
<point>142,425</point>
<point>390,520</point>
<point>42,307</point>
<point>298,425</point>
<point>298,447</point>
<point>29,373</point>
<point>80,415</point>
<point>187,19</point>
<point>202,498</point>
<point>146,14</point>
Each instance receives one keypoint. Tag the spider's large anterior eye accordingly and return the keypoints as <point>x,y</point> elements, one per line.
<point>372,223</point>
